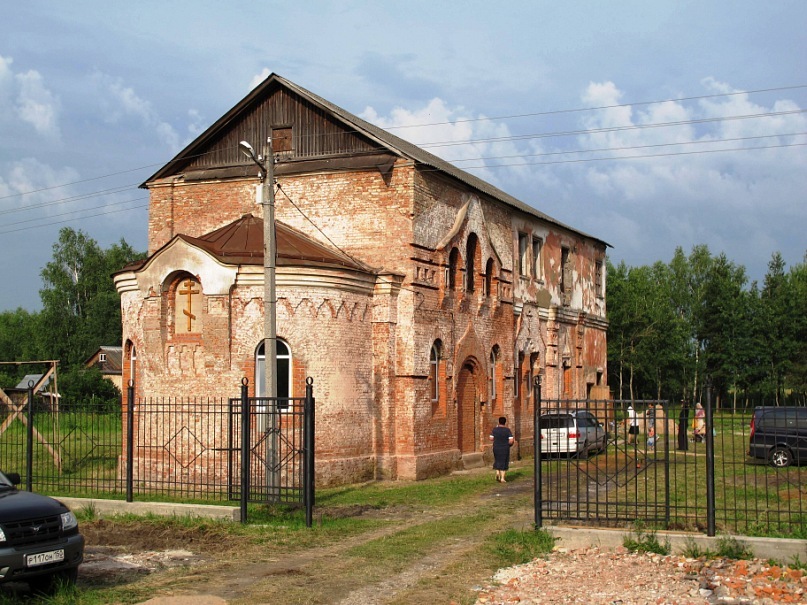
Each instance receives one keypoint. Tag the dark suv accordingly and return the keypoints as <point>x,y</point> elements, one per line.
<point>39,539</point>
<point>779,435</point>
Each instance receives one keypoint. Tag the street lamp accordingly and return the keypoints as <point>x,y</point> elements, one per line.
<point>266,197</point>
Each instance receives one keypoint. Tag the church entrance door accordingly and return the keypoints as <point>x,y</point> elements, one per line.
<point>468,408</point>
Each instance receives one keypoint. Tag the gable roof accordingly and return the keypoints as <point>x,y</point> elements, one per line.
<point>113,363</point>
<point>23,384</point>
<point>377,137</point>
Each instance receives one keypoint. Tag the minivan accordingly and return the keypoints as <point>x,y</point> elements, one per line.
<point>779,435</point>
<point>575,432</point>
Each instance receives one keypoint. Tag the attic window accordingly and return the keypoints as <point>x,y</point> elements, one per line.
<point>102,357</point>
<point>282,140</point>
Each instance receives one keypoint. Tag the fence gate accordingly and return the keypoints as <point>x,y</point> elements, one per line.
<point>276,462</point>
<point>595,469</point>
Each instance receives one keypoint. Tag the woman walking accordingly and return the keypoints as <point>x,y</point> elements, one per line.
<point>502,440</point>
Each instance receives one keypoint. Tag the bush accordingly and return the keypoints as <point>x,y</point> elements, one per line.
<point>86,389</point>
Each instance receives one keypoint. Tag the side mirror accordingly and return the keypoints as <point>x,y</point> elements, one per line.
<point>14,478</point>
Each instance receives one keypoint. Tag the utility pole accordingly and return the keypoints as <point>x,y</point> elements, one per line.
<point>266,197</point>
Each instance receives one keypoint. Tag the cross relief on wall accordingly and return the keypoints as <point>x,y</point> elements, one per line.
<point>187,305</point>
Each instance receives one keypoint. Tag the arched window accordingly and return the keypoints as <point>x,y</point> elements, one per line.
<point>519,376</point>
<point>453,268</point>
<point>282,369</point>
<point>489,278</point>
<point>493,372</point>
<point>470,259</point>
<point>434,370</point>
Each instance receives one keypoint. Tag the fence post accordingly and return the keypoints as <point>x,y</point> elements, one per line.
<point>244,448</point>
<point>29,454</point>
<point>308,460</point>
<point>536,448</point>
<point>669,426</point>
<point>710,464</point>
<point>130,442</point>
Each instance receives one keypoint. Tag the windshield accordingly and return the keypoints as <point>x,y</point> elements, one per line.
<point>556,421</point>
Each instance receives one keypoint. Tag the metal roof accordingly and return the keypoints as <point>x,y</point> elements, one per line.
<point>241,243</point>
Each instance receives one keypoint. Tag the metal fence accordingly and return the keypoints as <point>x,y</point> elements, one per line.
<point>186,448</point>
<point>667,475</point>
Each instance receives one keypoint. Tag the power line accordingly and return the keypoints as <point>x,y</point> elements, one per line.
<point>63,200</point>
<point>633,157</point>
<point>629,147</point>
<point>462,160</point>
<point>31,220</point>
<point>582,109</point>
<point>335,245</point>
<point>449,143</point>
<point>610,129</point>
<point>74,219</point>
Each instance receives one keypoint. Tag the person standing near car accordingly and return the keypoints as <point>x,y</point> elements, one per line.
<point>633,424</point>
<point>699,425</point>
<point>503,440</point>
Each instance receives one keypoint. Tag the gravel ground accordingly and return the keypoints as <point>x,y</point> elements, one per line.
<point>619,577</point>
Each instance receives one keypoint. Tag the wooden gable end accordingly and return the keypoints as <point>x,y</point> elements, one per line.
<point>304,137</point>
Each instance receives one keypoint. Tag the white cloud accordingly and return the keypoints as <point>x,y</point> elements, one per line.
<point>33,187</point>
<point>257,79</point>
<point>25,99</point>
<point>120,103</point>
<point>471,142</point>
<point>742,201</point>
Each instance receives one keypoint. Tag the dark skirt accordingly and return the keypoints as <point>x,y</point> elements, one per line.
<point>501,458</point>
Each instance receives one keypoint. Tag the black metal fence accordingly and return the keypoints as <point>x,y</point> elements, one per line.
<point>189,448</point>
<point>681,468</point>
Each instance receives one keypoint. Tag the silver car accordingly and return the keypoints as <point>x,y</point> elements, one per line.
<point>576,432</point>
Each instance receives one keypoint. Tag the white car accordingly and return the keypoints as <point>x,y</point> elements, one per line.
<point>576,432</point>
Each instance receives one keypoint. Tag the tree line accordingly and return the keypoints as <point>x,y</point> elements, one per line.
<point>80,312</point>
<point>697,321</point>
<point>673,328</point>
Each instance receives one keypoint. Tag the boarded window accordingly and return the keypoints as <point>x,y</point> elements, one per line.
<point>282,141</point>
<point>537,259</point>
<point>523,251</point>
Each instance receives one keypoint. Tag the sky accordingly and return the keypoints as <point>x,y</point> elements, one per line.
<point>649,125</point>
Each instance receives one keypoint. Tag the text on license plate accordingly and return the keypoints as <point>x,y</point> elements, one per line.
<point>43,558</point>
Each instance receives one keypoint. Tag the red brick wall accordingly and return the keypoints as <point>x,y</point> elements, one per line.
<point>369,353</point>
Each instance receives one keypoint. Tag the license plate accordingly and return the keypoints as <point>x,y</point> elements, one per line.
<point>43,558</point>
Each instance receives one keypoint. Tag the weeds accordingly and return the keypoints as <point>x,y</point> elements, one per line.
<point>693,551</point>
<point>730,547</point>
<point>513,547</point>
<point>88,512</point>
<point>645,541</point>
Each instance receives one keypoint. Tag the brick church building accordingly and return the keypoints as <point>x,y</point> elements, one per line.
<point>423,301</point>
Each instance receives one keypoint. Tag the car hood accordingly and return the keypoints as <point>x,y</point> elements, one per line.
<point>17,505</point>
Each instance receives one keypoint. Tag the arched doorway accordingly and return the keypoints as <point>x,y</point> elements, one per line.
<point>468,397</point>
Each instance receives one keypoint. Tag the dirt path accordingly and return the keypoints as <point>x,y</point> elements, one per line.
<point>345,572</point>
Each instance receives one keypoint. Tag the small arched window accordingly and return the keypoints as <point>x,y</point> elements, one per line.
<point>493,372</point>
<point>282,369</point>
<point>453,268</point>
<point>489,278</point>
<point>434,370</point>
<point>470,259</point>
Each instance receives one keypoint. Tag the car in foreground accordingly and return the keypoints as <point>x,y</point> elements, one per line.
<point>40,542</point>
<point>779,435</point>
<point>573,432</point>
